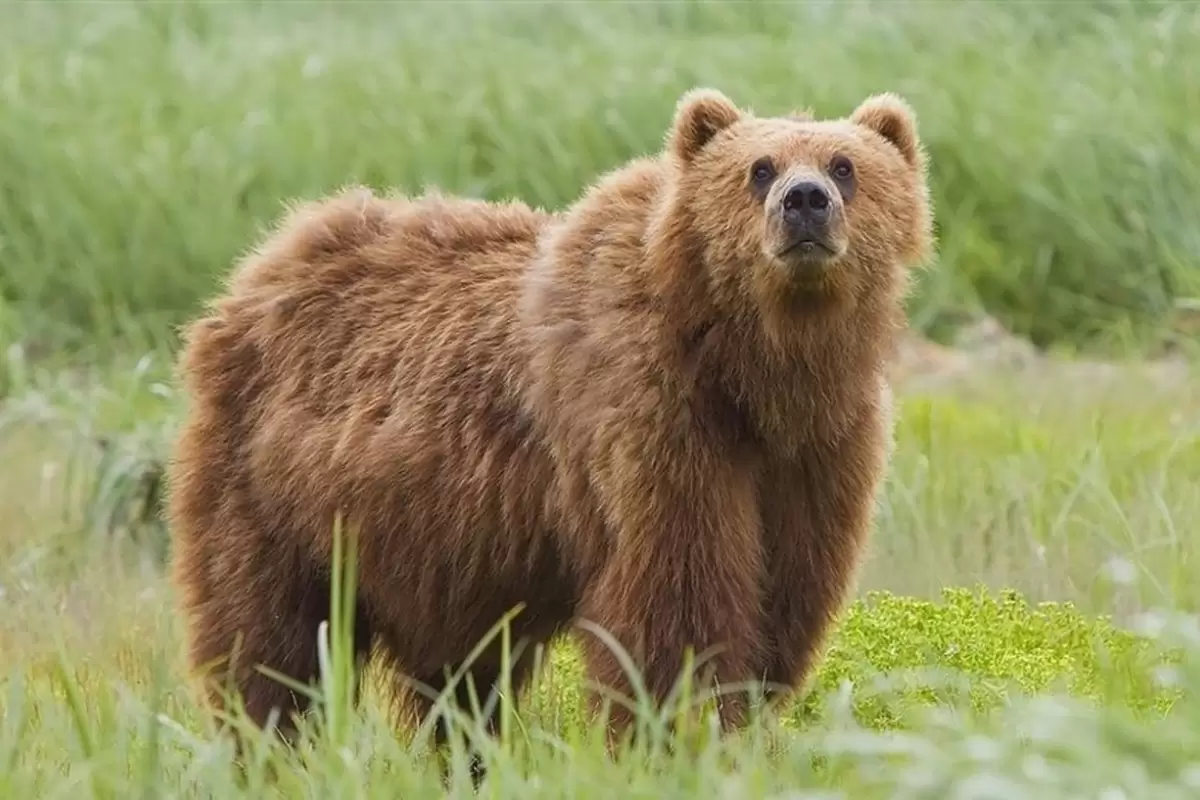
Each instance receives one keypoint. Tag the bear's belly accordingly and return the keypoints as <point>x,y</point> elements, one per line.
<point>449,504</point>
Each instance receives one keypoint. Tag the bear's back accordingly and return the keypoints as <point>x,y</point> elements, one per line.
<point>358,300</point>
<point>366,359</point>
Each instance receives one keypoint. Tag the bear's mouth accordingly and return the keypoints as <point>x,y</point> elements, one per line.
<point>808,249</point>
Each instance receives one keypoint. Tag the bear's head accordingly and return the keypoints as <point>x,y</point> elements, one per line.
<point>793,207</point>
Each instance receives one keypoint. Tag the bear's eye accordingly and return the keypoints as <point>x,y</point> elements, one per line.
<point>841,169</point>
<point>763,171</point>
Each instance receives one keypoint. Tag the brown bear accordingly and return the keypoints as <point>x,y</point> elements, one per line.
<point>663,411</point>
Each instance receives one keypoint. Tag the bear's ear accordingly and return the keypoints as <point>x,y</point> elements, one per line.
<point>893,119</point>
<point>699,116</point>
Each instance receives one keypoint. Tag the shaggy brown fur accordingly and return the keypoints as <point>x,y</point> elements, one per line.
<point>636,413</point>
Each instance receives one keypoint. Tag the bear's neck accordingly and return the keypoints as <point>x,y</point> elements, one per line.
<point>806,367</point>
<point>807,376</point>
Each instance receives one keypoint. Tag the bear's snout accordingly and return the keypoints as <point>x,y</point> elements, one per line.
<point>806,215</point>
<point>806,206</point>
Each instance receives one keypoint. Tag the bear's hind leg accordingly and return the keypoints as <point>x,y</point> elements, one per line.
<point>260,606</point>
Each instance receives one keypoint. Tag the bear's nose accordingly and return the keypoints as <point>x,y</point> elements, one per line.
<point>806,202</point>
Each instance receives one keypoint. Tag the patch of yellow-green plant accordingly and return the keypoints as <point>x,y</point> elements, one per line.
<point>974,649</point>
<point>988,647</point>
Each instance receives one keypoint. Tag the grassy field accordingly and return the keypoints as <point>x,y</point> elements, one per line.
<point>1078,500</point>
<point>1025,623</point>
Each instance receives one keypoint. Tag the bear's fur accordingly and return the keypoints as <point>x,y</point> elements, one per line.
<point>635,412</point>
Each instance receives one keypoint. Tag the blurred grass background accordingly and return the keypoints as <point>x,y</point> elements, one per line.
<point>143,145</point>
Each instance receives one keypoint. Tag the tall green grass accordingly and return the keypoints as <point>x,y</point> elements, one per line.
<point>980,693</point>
<point>143,145</point>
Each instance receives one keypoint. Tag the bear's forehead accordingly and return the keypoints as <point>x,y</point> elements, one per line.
<point>795,138</point>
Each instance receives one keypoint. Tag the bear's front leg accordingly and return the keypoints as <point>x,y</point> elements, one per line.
<point>817,514</point>
<point>684,571</point>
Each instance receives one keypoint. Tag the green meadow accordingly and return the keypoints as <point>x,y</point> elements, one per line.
<point>1024,624</point>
